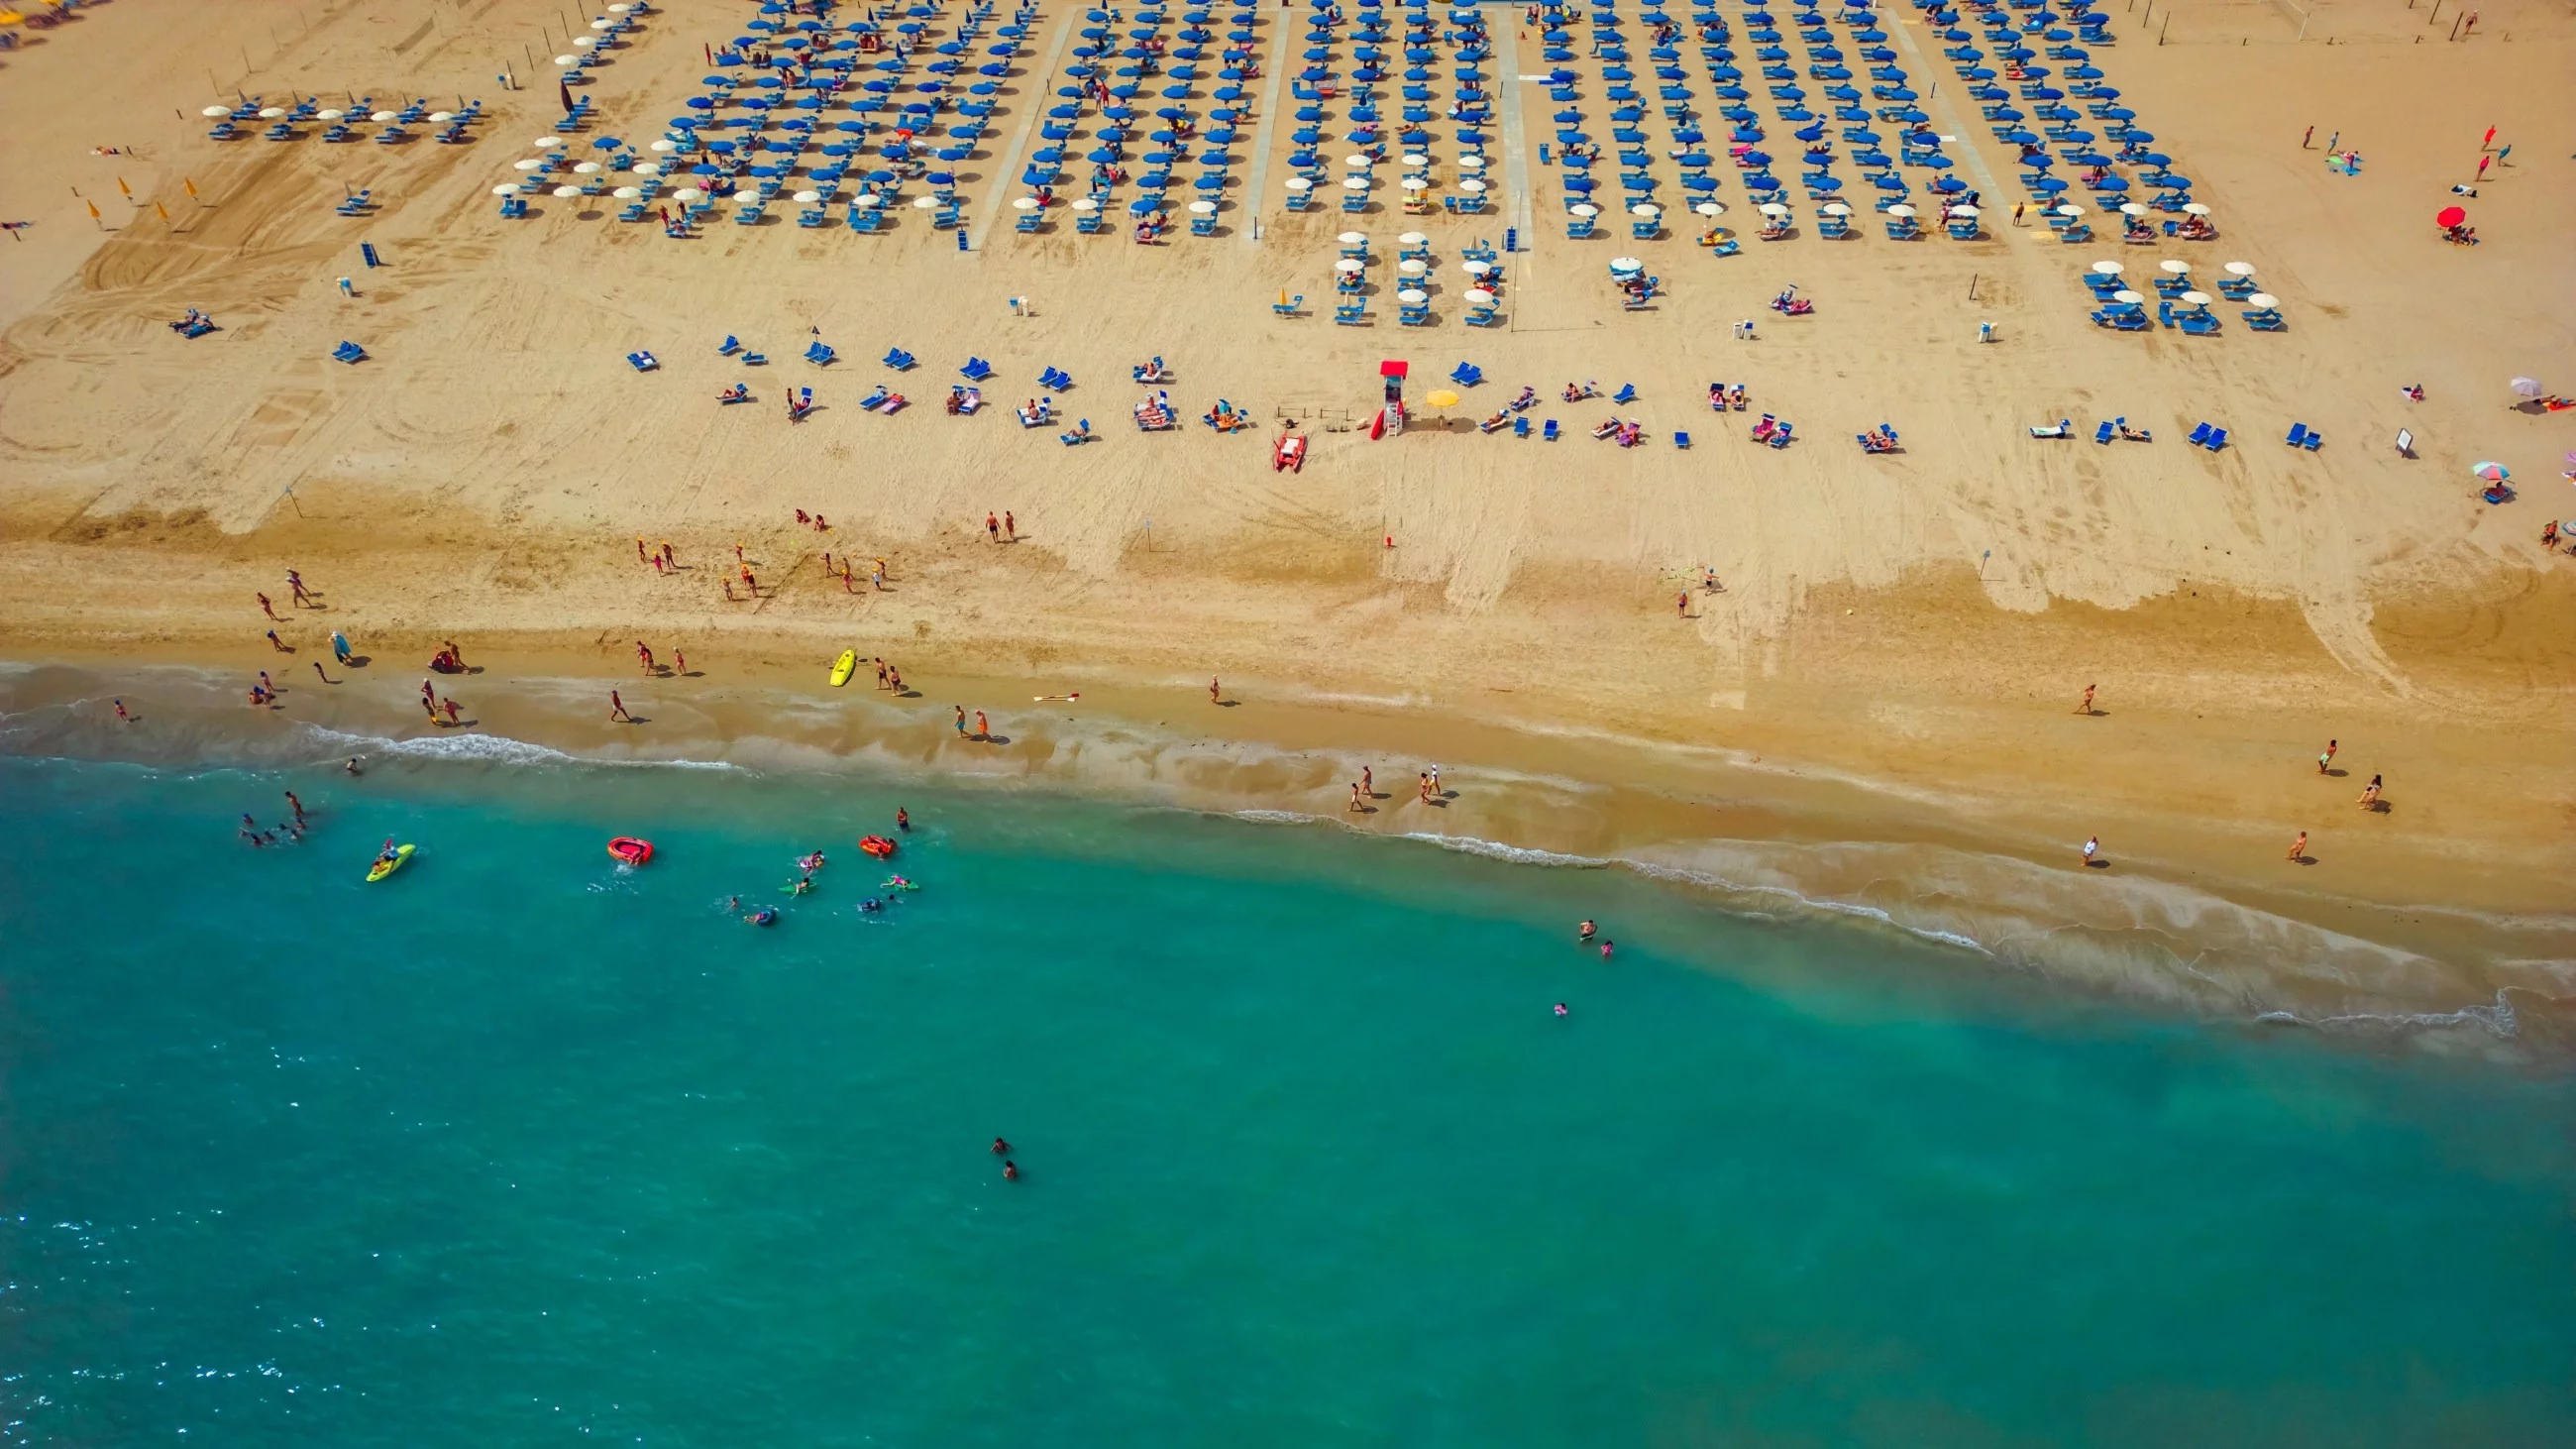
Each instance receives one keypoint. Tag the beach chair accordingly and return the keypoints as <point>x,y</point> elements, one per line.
<point>643,361</point>
<point>863,219</point>
<point>2303,436</point>
<point>976,369</point>
<point>1483,317</point>
<point>282,131</point>
<point>1626,394</point>
<point>348,352</point>
<point>812,216</point>
<point>1411,315</point>
<point>514,206</point>
<point>1780,436</point>
<point>898,359</point>
<point>1681,440</point>
<point>1289,307</point>
<point>2216,440</point>
<point>1467,374</point>
<point>729,346</point>
<point>2065,429</point>
<point>2265,319</point>
<point>820,354</point>
<point>2102,434</point>
<point>635,211</point>
<point>1832,227</point>
<point>1351,313</point>
<point>1056,378</point>
<point>2197,323</point>
<point>1520,427</point>
<point>1547,432</point>
<point>1579,229</point>
<point>876,399</point>
<point>1081,434</point>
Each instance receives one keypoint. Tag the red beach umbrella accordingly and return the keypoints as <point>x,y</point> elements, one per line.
<point>2451,216</point>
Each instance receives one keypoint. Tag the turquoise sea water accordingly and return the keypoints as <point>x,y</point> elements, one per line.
<point>519,1148</point>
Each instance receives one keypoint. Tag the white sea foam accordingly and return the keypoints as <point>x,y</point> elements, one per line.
<point>1496,850</point>
<point>487,749</point>
<point>1277,817</point>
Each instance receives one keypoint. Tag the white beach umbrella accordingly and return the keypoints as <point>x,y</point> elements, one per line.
<point>2109,269</point>
<point>619,9</point>
<point>1416,183</point>
<point>505,189</point>
<point>2262,299</point>
<point>544,143</point>
<point>211,112</point>
<point>1352,239</point>
<point>1471,162</point>
<point>924,203</point>
<point>688,193</point>
<point>527,163</point>
<point>2526,387</point>
<point>1202,208</point>
<point>1348,266</point>
<point>1414,239</point>
<point>1626,264</point>
<point>1360,162</point>
<point>2175,265</point>
<point>1831,208</point>
<point>2125,295</point>
<point>1085,203</point>
<point>588,168</point>
<point>2133,208</point>
<point>585,42</point>
<point>328,115</point>
<point>1773,208</point>
<point>602,24</point>
<point>647,168</point>
<point>1646,209</point>
<point>1471,185</point>
<point>1299,183</point>
<point>1355,183</point>
<point>441,118</point>
<point>1411,267</point>
<point>1584,208</point>
<point>870,201</point>
<point>808,197</point>
<point>1413,299</point>
<point>1479,297</point>
<point>2196,299</point>
<point>1718,208</point>
<point>627,193</point>
<point>2196,208</point>
<point>2240,269</point>
<point>1899,210</point>
<point>271,113</point>
<point>567,192</point>
<point>381,116</point>
<point>567,60</point>
<point>1475,269</point>
<point>1416,159</point>
<point>1965,213</point>
<point>666,147</point>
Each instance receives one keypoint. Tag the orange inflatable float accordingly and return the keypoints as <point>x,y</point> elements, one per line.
<point>878,846</point>
<point>630,850</point>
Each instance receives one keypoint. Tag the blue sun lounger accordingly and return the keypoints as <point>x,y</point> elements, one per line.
<point>1056,378</point>
<point>821,354</point>
<point>898,359</point>
<point>348,352</point>
<point>2303,436</point>
<point>1467,374</point>
<point>643,361</point>
<point>1626,394</point>
<point>976,369</point>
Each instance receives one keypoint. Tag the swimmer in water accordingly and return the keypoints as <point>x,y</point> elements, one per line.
<point>352,766</point>
<point>872,904</point>
<point>1606,946</point>
<point>902,818</point>
<point>1560,1008</point>
<point>1010,1170</point>
<point>1001,1148</point>
<point>1586,931</point>
<point>733,903</point>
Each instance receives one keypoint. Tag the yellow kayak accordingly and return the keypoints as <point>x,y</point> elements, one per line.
<point>383,868</point>
<point>844,667</point>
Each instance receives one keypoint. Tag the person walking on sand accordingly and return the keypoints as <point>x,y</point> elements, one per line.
<point>983,731</point>
<point>1355,797</point>
<point>267,608</point>
<point>644,654</point>
<point>318,674</point>
<point>1010,527</point>
<point>894,681</point>
<point>429,706</point>
<point>295,582</point>
<point>679,661</point>
<point>876,577</point>
<point>2370,794</point>
<point>277,644</point>
<point>2326,759</point>
<point>2092,848</point>
<point>2086,707</point>
<point>2487,142</point>
<point>2299,848</point>
<point>881,673</point>
<point>1216,694</point>
<point>2483,163</point>
<point>1424,779</point>
<point>1368,782</point>
<point>2310,136</point>
<point>617,710</point>
<point>640,555</point>
<point>1435,779</point>
<point>961,719</point>
<point>449,705</point>
<point>1681,604</point>
<point>670,555</point>
<point>121,716</point>
<point>992,528</point>
<point>340,646</point>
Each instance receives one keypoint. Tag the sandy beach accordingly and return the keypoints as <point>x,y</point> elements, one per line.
<point>1885,686</point>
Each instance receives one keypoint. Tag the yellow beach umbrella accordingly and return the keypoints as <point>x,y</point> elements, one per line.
<point>1444,398</point>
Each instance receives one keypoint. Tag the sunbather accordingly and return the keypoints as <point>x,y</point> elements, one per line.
<point>734,394</point>
<point>1735,396</point>
<point>2136,435</point>
<point>1763,429</point>
<point>1577,392</point>
<point>1607,428</point>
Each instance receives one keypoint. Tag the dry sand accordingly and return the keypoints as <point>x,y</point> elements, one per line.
<point>1918,625</point>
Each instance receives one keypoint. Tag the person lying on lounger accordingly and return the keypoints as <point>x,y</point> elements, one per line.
<point>1500,420</point>
<point>1763,430</point>
<point>1527,400</point>
<point>1773,231</point>
<point>1608,427</point>
<point>2196,228</point>
<point>1575,392</point>
<point>2136,435</point>
<point>739,392</point>
<point>1148,371</point>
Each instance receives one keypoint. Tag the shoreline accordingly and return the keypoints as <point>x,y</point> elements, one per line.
<point>1756,833</point>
